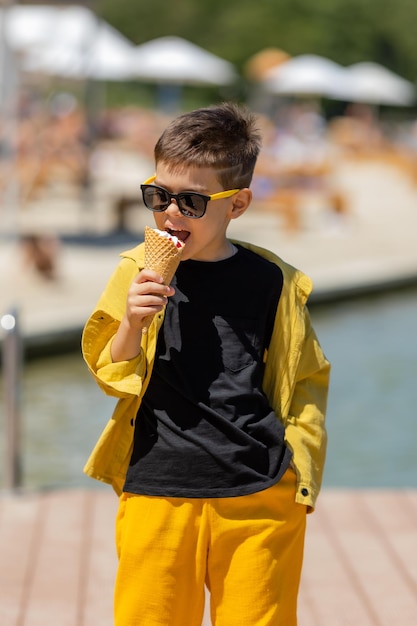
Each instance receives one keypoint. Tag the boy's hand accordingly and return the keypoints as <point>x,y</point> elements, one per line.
<point>147,296</point>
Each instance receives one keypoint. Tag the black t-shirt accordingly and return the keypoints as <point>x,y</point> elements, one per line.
<point>205,427</point>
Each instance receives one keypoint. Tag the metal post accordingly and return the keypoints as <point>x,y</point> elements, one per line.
<point>12,360</point>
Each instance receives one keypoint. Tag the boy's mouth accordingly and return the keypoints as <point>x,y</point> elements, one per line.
<point>181,234</point>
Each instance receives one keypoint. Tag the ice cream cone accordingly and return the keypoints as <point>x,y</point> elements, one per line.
<point>161,254</point>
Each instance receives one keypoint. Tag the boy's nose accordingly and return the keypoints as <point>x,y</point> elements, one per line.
<point>172,208</point>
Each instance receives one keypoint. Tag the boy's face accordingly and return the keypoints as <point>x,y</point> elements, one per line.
<point>205,237</point>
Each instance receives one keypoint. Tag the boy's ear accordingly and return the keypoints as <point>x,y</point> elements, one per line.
<point>240,203</point>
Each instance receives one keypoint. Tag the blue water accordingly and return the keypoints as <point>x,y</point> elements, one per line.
<point>372,415</point>
<point>372,412</point>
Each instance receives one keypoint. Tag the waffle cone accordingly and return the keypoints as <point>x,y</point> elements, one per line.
<point>161,254</point>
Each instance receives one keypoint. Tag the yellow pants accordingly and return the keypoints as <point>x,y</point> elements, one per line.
<point>247,549</point>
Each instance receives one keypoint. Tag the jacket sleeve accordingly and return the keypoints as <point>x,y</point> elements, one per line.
<point>124,378</point>
<point>305,423</point>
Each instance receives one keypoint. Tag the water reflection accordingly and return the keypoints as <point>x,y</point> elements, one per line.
<point>372,427</point>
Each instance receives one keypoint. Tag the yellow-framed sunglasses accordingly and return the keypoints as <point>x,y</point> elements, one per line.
<point>190,203</point>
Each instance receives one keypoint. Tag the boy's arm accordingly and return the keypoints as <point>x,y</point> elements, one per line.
<point>112,339</point>
<point>147,295</point>
<point>305,423</point>
<point>121,378</point>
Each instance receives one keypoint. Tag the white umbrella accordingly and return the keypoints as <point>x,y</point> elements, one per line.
<point>67,41</point>
<point>374,84</point>
<point>26,26</point>
<point>174,60</point>
<point>306,75</point>
<point>108,56</point>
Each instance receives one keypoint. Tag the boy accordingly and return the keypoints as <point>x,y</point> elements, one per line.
<point>217,443</point>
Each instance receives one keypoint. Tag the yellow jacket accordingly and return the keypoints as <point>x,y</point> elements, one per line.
<point>295,380</point>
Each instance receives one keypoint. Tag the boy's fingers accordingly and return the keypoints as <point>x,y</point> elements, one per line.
<point>148,281</point>
<point>156,289</point>
<point>148,275</point>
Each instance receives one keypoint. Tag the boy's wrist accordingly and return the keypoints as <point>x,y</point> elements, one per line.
<point>126,343</point>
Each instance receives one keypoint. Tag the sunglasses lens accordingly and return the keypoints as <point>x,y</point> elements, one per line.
<point>158,199</point>
<point>155,198</point>
<point>192,204</point>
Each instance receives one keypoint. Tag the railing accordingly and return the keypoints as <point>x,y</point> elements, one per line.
<point>12,360</point>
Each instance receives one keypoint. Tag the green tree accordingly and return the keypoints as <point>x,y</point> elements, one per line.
<point>347,31</point>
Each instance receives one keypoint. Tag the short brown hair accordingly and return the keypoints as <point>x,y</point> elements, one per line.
<point>223,137</point>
